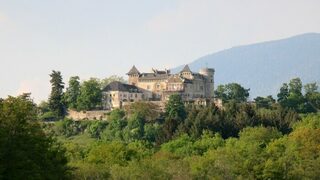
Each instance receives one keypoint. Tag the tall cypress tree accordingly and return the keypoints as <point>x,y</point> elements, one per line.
<point>56,104</point>
<point>73,92</point>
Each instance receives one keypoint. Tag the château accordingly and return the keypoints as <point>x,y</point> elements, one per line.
<point>158,85</point>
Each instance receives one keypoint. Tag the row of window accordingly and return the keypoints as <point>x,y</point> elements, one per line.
<point>125,95</point>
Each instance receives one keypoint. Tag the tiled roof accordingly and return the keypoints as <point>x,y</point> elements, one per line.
<point>153,76</point>
<point>118,86</point>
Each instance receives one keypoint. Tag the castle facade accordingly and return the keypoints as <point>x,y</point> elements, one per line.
<point>159,85</point>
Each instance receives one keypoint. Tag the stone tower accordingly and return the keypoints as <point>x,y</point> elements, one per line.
<point>209,74</point>
<point>133,76</point>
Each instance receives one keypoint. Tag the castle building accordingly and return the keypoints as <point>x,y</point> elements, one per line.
<point>115,94</point>
<point>159,85</point>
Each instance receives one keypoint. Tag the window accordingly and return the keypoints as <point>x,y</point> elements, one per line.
<point>148,87</point>
<point>136,95</point>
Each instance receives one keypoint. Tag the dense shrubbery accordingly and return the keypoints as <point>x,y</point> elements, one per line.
<point>258,153</point>
<point>240,140</point>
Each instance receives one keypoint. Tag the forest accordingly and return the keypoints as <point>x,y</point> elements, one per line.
<point>265,138</point>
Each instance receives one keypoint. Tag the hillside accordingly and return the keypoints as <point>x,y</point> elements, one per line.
<point>263,67</point>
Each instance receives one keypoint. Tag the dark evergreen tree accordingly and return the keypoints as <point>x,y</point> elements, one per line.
<point>175,114</point>
<point>73,92</point>
<point>56,103</point>
<point>283,94</point>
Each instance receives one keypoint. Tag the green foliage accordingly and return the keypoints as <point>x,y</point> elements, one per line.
<point>127,149</point>
<point>135,129</point>
<point>311,88</point>
<point>175,114</point>
<point>146,110</point>
<point>279,117</point>
<point>116,114</point>
<point>295,86</point>
<point>242,158</point>
<point>47,116</point>
<point>56,103</point>
<point>90,95</point>
<point>283,94</point>
<point>152,132</point>
<point>73,92</point>
<point>264,102</point>
<point>175,108</point>
<point>311,121</point>
<point>241,140</point>
<point>26,152</point>
<point>312,96</point>
<point>96,128</point>
<point>181,146</point>
<point>117,123</point>
<point>291,96</point>
<point>68,127</point>
<point>186,146</point>
<point>232,91</point>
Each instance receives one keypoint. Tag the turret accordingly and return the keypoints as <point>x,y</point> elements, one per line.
<point>186,72</point>
<point>208,73</point>
<point>133,75</point>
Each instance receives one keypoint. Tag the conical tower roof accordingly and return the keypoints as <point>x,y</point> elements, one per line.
<point>186,69</point>
<point>133,71</point>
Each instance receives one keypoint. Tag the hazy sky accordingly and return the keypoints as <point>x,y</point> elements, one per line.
<point>98,38</point>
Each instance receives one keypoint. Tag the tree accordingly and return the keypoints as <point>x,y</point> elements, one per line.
<point>264,102</point>
<point>295,156</point>
<point>26,152</point>
<point>114,130</point>
<point>312,96</point>
<point>146,110</point>
<point>175,114</point>
<point>295,86</point>
<point>283,94</point>
<point>73,92</point>
<point>44,112</point>
<point>56,97</point>
<point>232,91</point>
<point>90,95</point>
<point>311,88</point>
<point>135,128</point>
<point>175,107</point>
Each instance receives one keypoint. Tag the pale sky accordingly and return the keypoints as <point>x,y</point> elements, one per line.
<point>98,38</point>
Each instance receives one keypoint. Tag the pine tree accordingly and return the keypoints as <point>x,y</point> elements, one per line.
<point>56,104</point>
<point>72,93</point>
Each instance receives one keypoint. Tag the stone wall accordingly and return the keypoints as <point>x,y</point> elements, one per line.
<point>87,115</point>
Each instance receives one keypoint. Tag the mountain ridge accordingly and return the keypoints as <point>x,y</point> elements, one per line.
<point>264,66</point>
